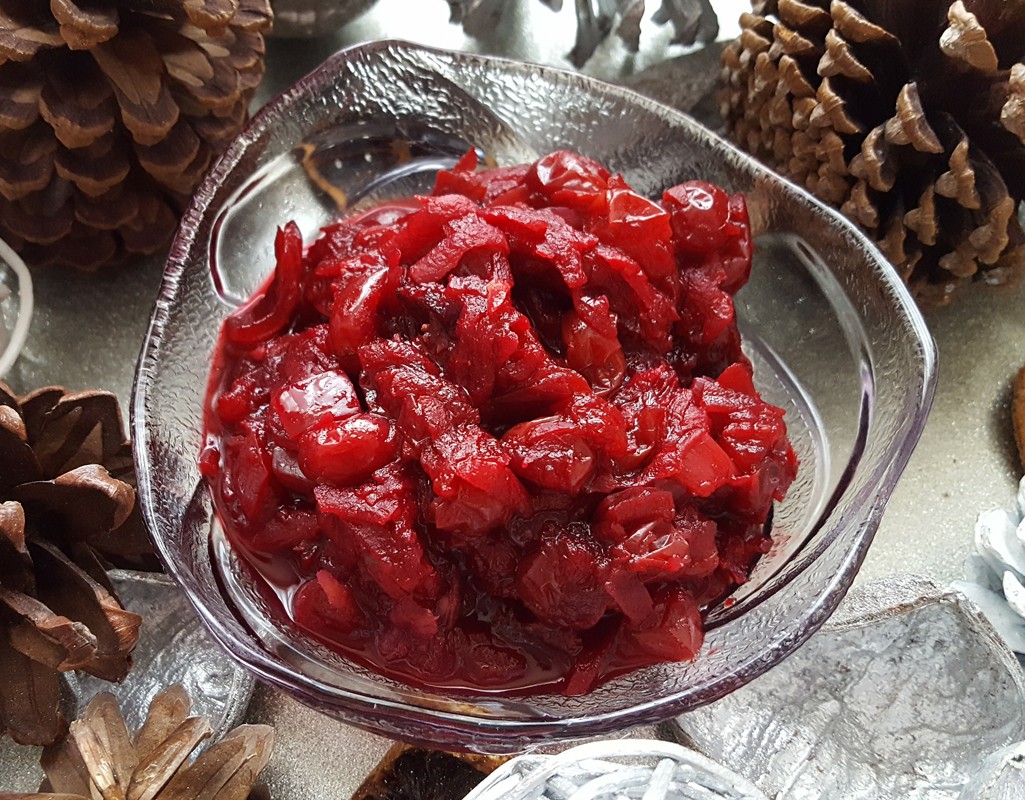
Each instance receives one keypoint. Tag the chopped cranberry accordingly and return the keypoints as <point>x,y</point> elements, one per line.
<point>503,437</point>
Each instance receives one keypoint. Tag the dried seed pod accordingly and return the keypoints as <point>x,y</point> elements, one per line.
<point>100,758</point>
<point>408,772</point>
<point>930,123</point>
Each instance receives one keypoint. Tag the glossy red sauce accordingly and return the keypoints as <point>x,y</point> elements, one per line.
<point>501,438</point>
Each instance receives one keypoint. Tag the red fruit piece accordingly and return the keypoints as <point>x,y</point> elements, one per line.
<point>378,527</point>
<point>270,311</point>
<point>246,483</point>
<point>600,423</point>
<point>385,498</point>
<point>737,252</point>
<point>315,401</point>
<point>545,236</point>
<point>563,580</point>
<point>746,427</point>
<point>640,228</point>
<point>462,236</point>
<point>642,310</point>
<point>408,387</point>
<point>462,179</point>
<point>347,452</point>
<point>672,632</point>
<point>489,332</point>
<point>622,514</point>
<point>326,605</point>
<point>357,297</point>
<point>645,543</point>
<point>288,528</point>
<point>592,344</point>
<point>421,230</point>
<point>551,452</point>
<point>474,488</point>
<point>689,455</point>
<point>700,216</point>
<point>563,178</point>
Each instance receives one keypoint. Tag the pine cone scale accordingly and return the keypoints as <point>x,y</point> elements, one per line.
<point>80,109</point>
<point>134,68</point>
<point>108,211</point>
<point>19,98</point>
<point>70,592</point>
<point>31,165</point>
<point>29,698</point>
<point>21,42</point>
<point>83,29</point>
<point>1012,114</point>
<point>48,638</point>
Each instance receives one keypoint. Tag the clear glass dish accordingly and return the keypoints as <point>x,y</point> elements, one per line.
<point>834,336</point>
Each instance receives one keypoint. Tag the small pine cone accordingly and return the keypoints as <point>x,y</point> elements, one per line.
<point>110,113</point>
<point>67,512</point>
<point>692,21</point>
<point>908,117</point>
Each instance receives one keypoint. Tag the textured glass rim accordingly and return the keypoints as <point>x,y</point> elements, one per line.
<point>864,512</point>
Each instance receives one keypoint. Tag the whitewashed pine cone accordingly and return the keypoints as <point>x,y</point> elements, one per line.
<point>995,574</point>
<point>301,18</point>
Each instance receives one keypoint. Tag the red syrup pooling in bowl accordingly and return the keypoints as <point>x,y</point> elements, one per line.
<point>502,438</point>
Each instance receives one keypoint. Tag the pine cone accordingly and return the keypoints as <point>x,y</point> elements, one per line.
<point>101,759</point>
<point>910,117</point>
<point>67,511</point>
<point>995,572</point>
<point>110,113</point>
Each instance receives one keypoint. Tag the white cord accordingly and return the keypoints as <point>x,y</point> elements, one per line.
<point>25,304</point>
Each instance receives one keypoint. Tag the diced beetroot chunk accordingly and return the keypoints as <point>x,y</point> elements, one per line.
<point>672,632</point>
<point>551,452</point>
<point>568,179</point>
<point>699,212</point>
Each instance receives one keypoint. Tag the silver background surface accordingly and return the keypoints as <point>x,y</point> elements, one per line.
<point>87,331</point>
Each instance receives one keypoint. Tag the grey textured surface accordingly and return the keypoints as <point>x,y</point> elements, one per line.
<point>1001,776</point>
<point>901,696</point>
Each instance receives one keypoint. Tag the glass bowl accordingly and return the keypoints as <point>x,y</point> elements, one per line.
<point>833,334</point>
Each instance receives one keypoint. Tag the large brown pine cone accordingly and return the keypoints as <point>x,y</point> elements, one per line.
<point>909,116</point>
<point>67,511</point>
<point>110,113</point>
